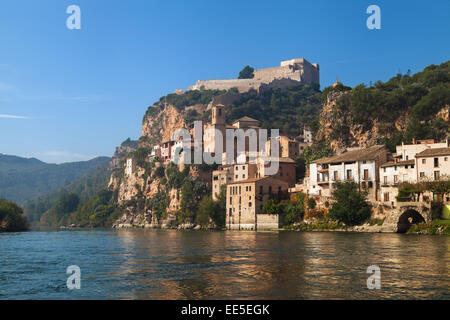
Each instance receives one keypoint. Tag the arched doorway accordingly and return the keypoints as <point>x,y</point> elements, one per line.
<point>407,219</point>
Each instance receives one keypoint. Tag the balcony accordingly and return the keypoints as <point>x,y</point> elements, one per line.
<point>323,181</point>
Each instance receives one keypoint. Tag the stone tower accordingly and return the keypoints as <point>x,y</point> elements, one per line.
<point>218,115</point>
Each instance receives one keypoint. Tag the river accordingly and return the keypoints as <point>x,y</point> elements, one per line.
<point>169,264</point>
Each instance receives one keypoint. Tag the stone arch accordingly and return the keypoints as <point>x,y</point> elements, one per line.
<point>407,219</point>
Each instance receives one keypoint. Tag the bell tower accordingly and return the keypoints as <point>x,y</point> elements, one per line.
<point>218,115</point>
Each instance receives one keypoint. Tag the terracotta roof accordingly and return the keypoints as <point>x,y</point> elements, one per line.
<point>354,155</point>
<point>399,163</point>
<point>434,152</point>
<point>246,119</point>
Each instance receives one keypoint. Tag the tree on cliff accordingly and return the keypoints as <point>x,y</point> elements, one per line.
<point>246,73</point>
<point>11,217</point>
<point>350,207</point>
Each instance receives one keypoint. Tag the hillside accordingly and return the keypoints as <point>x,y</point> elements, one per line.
<point>24,179</point>
<point>85,187</point>
<point>80,200</point>
<point>404,108</point>
<point>287,109</point>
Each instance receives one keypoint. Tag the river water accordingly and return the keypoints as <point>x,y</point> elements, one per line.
<point>169,264</point>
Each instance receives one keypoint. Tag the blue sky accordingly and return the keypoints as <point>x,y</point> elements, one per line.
<point>70,95</point>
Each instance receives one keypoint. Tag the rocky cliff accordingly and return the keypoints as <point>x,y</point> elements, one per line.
<point>152,195</point>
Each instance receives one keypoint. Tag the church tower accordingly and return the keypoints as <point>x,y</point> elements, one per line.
<point>218,115</point>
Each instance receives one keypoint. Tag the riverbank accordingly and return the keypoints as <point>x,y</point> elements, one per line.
<point>436,227</point>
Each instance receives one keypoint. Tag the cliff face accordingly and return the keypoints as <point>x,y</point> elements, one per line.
<point>149,197</point>
<point>338,129</point>
<point>352,135</point>
<point>161,125</point>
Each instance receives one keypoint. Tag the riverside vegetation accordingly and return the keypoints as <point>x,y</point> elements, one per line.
<point>11,217</point>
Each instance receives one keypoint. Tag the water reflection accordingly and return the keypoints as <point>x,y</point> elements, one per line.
<point>159,264</point>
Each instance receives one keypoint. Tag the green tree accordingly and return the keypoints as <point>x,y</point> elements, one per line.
<point>350,207</point>
<point>311,203</point>
<point>246,73</point>
<point>205,211</point>
<point>191,194</point>
<point>11,217</point>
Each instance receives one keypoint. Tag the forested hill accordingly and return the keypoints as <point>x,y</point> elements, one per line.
<point>404,108</point>
<point>24,179</point>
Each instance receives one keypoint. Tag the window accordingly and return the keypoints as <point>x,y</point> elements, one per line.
<point>231,200</point>
<point>422,174</point>
<point>385,180</point>
<point>270,189</point>
<point>436,162</point>
<point>349,174</point>
<point>436,175</point>
<point>250,188</point>
<point>384,169</point>
<point>446,159</point>
<point>220,112</point>
<point>335,176</point>
<point>395,179</point>
<point>243,167</point>
<point>239,189</point>
<point>386,196</point>
<point>366,174</point>
<point>260,189</point>
<point>231,212</point>
<point>424,161</point>
<point>407,158</point>
<point>246,188</point>
<point>249,204</point>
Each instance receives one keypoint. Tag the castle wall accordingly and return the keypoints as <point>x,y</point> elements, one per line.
<point>277,73</point>
<point>295,70</point>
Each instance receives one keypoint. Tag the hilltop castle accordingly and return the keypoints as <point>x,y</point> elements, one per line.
<point>289,72</point>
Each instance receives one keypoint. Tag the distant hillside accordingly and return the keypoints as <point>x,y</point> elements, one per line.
<point>84,187</point>
<point>24,179</point>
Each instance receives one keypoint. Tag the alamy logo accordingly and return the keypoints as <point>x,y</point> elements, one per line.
<point>241,146</point>
<point>374,20</point>
<point>374,281</point>
<point>74,280</point>
<point>74,20</point>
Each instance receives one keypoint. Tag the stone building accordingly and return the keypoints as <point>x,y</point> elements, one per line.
<point>358,165</point>
<point>393,173</point>
<point>166,150</point>
<point>432,164</point>
<point>245,200</point>
<point>286,169</point>
<point>295,71</point>
<point>288,148</point>
<point>409,151</point>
